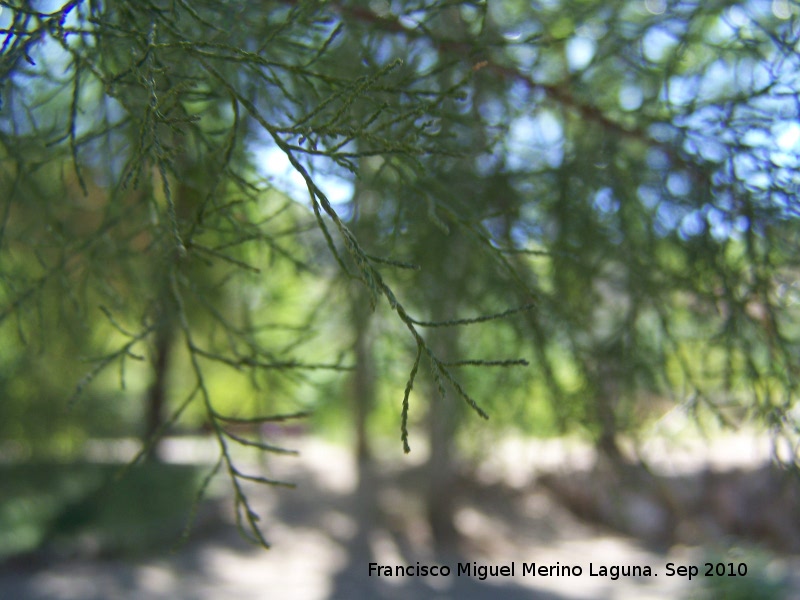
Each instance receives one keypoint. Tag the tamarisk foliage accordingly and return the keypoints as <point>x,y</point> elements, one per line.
<point>616,183</point>
<point>136,207</point>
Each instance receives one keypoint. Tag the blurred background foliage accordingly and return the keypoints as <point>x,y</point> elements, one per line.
<point>572,217</point>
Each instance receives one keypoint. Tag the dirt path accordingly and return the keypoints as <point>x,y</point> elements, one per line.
<point>325,534</point>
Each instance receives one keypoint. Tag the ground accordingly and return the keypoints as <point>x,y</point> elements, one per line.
<point>325,533</point>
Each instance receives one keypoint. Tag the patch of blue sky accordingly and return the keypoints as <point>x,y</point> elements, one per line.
<point>523,55</point>
<point>668,216</point>
<point>535,141</point>
<point>787,138</point>
<point>648,195</point>
<point>604,201</point>
<point>657,159</point>
<point>630,96</point>
<point>759,139</point>
<point>44,80</point>
<point>580,51</point>
<point>274,165</point>
<point>658,43</point>
<point>679,183</point>
<point>680,90</point>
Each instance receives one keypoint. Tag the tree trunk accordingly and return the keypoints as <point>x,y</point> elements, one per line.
<point>440,496</point>
<point>363,382</point>
<point>155,401</point>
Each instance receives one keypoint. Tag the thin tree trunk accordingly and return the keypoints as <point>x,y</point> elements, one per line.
<point>363,383</point>
<point>156,395</point>
<point>440,498</point>
<point>440,495</point>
